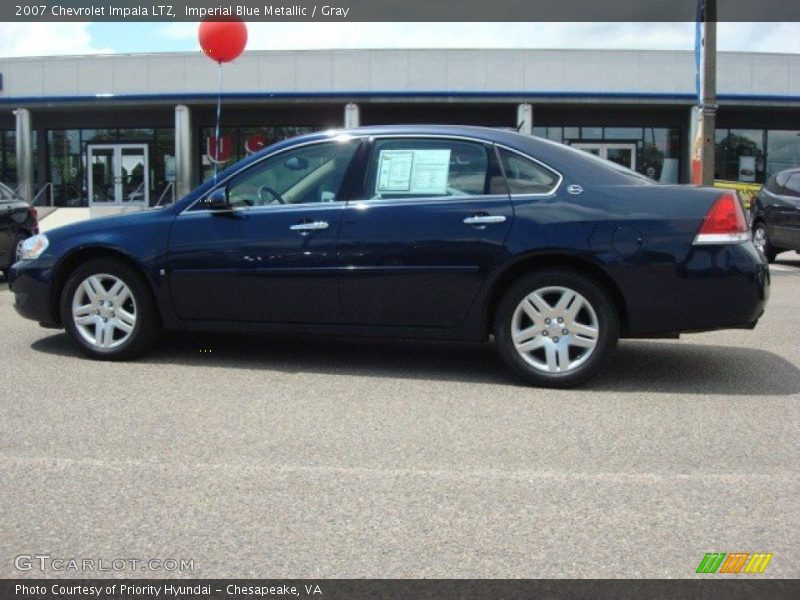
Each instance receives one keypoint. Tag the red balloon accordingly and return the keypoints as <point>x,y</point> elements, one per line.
<point>222,41</point>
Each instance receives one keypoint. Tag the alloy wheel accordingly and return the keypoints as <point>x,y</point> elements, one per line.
<point>104,311</point>
<point>555,329</point>
<point>760,237</point>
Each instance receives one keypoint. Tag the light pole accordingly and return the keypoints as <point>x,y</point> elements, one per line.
<point>706,110</point>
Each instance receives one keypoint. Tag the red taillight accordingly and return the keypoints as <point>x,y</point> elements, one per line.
<point>724,223</point>
<point>35,217</point>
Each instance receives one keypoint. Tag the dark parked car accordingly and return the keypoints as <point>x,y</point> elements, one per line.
<point>18,222</point>
<point>776,214</point>
<point>414,231</point>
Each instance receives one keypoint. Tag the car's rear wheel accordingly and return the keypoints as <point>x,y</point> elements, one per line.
<point>109,310</point>
<point>556,328</point>
<point>761,241</point>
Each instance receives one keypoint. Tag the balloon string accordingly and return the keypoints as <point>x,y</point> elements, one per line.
<point>218,144</point>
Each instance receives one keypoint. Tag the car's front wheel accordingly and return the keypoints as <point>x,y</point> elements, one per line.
<point>761,241</point>
<point>556,328</point>
<point>109,311</point>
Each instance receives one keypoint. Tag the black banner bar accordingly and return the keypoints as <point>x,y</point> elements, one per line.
<point>715,586</point>
<point>394,10</point>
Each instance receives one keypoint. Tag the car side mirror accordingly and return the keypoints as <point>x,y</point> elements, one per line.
<point>217,200</point>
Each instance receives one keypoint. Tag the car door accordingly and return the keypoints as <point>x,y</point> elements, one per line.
<point>272,256</point>
<point>429,225</point>
<point>787,214</point>
<point>7,205</point>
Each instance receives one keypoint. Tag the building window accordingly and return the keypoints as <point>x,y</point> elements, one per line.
<point>65,165</point>
<point>236,143</point>
<point>652,151</point>
<point>8,158</point>
<point>67,155</point>
<point>739,155</point>
<point>661,150</point>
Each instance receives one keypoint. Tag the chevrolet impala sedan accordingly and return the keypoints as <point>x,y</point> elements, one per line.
<point>442,232</point>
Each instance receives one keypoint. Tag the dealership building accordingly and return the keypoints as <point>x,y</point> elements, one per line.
<point>138,129</point>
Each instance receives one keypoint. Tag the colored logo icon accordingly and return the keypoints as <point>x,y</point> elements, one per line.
<point>735,562</point>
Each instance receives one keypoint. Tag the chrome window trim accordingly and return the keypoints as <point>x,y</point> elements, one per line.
<point>425,199</point>
<point>371,138</point>
<point>224,182</point>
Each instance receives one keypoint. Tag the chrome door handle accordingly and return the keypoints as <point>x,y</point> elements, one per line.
<point>311,226</point>
<point>484,219</point>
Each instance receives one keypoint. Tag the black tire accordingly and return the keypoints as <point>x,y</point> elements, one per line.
<point>769,250</point>
<point>605,316</point>
<point>147,325</point>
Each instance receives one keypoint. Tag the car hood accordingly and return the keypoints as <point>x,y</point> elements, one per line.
<point>109,224</point>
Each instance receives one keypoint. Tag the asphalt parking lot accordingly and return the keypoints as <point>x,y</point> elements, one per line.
<point>277,457</point>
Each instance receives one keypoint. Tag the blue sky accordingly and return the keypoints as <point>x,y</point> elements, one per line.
<point>32,39</point>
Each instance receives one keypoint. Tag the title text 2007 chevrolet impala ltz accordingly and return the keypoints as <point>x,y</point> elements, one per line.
<point>440,232</point>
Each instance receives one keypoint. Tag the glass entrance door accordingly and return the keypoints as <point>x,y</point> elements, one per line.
<point>623,154</point>
<point>118,174</point>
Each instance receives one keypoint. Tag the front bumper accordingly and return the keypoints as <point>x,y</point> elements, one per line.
<point>31,282</point>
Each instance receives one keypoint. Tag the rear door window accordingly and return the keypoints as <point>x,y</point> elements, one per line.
<point>431,168</point>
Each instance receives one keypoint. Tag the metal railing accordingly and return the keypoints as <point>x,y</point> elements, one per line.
<point>132,195</point>
<point>47,187</point>
<point>170,188</point>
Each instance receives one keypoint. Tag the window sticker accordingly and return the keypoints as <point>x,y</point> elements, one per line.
<point>394,171</point>
<point>413,172</point>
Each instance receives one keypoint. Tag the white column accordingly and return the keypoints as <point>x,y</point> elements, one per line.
<point>525,119</point>
<point>352,116</point>
<point>24,154</point>
<point>183,151</point>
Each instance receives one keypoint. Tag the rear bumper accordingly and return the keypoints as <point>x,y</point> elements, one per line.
<point>31,282</point>
<point>716,287</point>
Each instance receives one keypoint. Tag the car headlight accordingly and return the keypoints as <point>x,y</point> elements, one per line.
<point>33,247</point>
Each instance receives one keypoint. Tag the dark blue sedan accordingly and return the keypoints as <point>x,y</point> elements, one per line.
<point>439,232</point>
